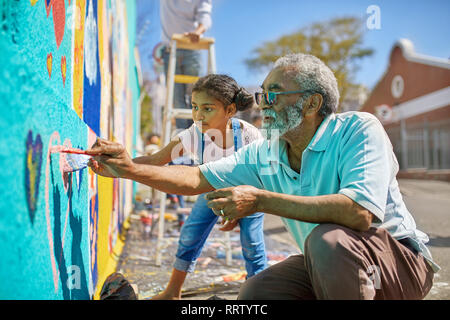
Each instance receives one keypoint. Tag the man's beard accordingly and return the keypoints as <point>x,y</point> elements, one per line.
<point>289,118</point>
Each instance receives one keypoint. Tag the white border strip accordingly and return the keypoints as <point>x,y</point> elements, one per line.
<point>407,48</point>
<point>423,104</point>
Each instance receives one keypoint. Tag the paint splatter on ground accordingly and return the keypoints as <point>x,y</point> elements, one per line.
<point>211,277</point>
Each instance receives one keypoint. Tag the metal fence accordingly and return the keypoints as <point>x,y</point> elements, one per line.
<point>422,145</point>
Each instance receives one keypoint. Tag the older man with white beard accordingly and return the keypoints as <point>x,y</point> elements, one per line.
<point>330,177</point>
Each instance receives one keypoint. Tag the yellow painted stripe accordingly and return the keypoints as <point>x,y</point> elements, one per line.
<point>111,265</point>
<point>181,78</point>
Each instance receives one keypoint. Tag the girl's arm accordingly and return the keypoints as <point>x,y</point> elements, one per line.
<point>170,152</point>
<point>110,159</point>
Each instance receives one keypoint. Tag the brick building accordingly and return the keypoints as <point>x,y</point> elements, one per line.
<point>412,100</point>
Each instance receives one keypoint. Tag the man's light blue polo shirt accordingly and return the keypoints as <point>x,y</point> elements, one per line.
<point>350,154</point>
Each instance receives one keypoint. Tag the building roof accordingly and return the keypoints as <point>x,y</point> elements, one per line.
<point>407,48</point>
<point>408,79</point>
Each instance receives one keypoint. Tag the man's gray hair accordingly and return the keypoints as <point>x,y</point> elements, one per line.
<point>312,74</point>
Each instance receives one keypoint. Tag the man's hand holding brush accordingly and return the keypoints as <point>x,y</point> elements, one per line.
<point>110,159</point>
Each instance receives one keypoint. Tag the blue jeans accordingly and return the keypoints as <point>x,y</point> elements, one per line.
<point>188,62</point>
<point>197,228</point>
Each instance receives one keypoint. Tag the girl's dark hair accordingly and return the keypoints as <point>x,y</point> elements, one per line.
<point>225,89</point>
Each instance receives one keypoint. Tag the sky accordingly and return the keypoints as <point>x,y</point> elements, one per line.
<point>240,26</point>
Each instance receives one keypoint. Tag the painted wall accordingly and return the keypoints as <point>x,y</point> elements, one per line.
<point>67,76</point>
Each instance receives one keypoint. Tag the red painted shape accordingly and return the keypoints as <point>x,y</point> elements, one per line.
<point>59,19</point>
<point>48,6</point>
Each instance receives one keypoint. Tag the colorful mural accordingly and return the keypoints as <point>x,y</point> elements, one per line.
<point>68,76</point>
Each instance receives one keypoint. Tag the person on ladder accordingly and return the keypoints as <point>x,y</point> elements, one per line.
<point>191,18</point>
<point>215,134</point>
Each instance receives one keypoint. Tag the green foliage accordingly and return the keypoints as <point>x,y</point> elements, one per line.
<point>337,42</point>
<point>146,116</point>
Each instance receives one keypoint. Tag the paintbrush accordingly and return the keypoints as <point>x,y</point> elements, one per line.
<point>74,151</point>
<point>72,159</point>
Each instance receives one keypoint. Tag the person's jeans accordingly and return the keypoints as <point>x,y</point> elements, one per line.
<point>199,225</point>
<point>188,62</point>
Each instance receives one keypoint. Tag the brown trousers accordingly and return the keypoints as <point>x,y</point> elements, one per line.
<point>341,263</point>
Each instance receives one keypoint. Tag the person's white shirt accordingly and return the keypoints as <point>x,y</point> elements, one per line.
<point>180,16</point>
<point>190,140</point>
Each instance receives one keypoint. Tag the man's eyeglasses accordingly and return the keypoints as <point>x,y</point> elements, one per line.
<point>271,97</point>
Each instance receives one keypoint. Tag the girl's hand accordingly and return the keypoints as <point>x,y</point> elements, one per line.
<point>228,224</point>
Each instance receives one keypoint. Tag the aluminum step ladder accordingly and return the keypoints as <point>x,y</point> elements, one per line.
<point>179,41</point>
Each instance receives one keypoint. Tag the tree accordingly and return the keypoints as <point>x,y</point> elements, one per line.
<point>337,42</point>
<point>146,116</point>
<point>146,109</point>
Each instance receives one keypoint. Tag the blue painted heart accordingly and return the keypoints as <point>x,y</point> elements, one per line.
<point>33,171</point>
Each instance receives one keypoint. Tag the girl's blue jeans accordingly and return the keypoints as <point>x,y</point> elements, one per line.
<point>197,228</point>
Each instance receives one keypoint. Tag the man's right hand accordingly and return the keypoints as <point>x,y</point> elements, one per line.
<point>110,159</point>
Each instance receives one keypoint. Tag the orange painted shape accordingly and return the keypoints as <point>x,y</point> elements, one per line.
<point>49,64</point>
<point>63,69</point>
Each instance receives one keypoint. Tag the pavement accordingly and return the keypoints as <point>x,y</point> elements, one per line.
<point>212,277</point>
<point>428,201</point>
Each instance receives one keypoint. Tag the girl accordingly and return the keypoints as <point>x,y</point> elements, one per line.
<point>214,134</point>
